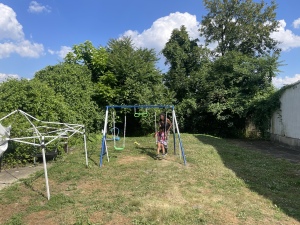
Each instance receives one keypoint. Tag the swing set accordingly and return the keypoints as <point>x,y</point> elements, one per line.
<point>139,111</point>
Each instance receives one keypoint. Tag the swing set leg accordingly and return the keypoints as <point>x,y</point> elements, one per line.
<point>103,151</point>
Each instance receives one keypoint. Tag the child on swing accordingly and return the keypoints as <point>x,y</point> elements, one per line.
<point>161,142</point>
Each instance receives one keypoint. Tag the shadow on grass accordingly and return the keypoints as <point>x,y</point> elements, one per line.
<point>28,183</point>
<point>275,179</point>
<point>148,151</point>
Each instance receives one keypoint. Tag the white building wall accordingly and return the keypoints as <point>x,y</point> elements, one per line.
<point>285,124</point>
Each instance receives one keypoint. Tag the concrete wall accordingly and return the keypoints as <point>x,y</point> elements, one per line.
<point>285,123</point>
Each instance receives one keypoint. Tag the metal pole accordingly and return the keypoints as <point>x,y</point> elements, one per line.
<point>155,125</point>
<point>174,130</point>
<point>103,147</point>
<point>8,115</point>
<point>45,168</point>
<point>180,142</point>
<point>85,149</point>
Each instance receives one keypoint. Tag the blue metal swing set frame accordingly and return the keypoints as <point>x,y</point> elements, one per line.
<point>104,150</point>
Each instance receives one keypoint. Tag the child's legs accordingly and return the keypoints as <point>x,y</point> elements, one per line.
<point>158,147</point>
<point>163,148</point>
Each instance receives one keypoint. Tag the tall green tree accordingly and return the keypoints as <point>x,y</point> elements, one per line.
<point>232,84</point>
<point>73,82</point>
<point>94,58</point>
<point>240,25</point>
<point>122,74</point>
<point>188,63</point>
<point>246,59</point>
<point>137,78</point>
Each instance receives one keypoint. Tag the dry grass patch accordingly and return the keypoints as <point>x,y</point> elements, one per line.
<point>112,219</point>
<point>7,211</point>
<point>131,159</point>
<point>45,217</point>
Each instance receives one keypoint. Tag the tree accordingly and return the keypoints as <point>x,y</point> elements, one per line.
<point>94,58</point>
<point>246,60</point>
<point>240,25</point>
<point>137,79</point>
<point>232,84</point>
<point>73,82</point>
<point>37,99</point>
<point>122,74</point>
<point>189,64</point>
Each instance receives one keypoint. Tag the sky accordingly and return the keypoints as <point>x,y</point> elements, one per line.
<point>36,34</point>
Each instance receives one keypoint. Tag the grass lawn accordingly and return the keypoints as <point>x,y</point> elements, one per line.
<point>221,184</point>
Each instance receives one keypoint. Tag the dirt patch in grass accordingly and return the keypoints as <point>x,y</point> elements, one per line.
<point>224,216</point>
<point>8,210</point>
<point>37,218</point>
<point>130,159</point>
<point>93,186</point>
<point>98,217</point>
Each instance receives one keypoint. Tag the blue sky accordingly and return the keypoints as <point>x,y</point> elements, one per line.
<point>35,34</point>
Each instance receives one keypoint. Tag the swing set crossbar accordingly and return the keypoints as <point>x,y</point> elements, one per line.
<point>140,106</point>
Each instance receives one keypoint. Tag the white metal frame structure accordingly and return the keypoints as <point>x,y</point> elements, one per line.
<point>45,134</point>
<point>104,149</point>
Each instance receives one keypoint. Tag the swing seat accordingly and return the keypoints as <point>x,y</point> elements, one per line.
<point>117,138</point>
<point>142,114</point>
<point>115,134</point>
<point>119,148</point>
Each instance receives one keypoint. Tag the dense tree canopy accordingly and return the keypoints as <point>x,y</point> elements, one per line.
<point>189,64</point>
<point>94,58</point>
<point>122,75</point>
<point>246,59</point>
<point>240,25</point>
<point>138,79</point>
<point>35,98</point>
<point>73,82</point>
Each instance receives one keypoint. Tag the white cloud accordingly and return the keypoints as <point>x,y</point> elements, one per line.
<point>10,28</point>
<point>4,76</point>
<point>12,38</point>
<point>23,48</point>
<point>296,23</point>
<point>64,50</point>
<point>279,82</point>
<point>35,7</point>
<point>159,33</point>
<point>287,38</point>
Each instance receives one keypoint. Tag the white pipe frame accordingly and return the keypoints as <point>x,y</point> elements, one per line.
<point>68,128</point>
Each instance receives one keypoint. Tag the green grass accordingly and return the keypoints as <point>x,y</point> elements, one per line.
<point>221,184</point>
